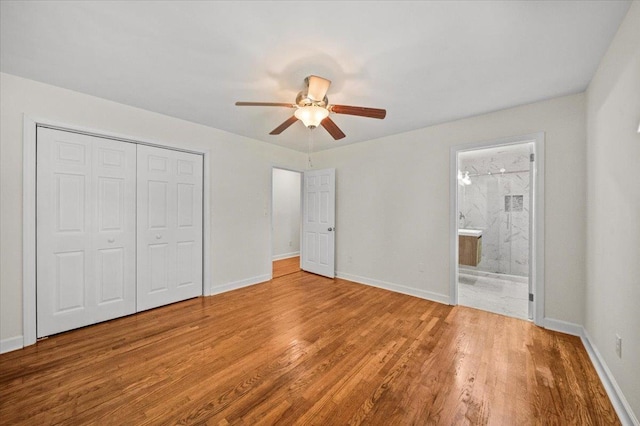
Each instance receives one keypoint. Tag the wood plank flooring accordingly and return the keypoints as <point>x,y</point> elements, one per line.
<point>286,266</point>
<point>304,349</point>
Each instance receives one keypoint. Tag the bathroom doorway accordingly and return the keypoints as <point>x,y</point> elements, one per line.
<point>494,230</point>
<point>286,214</point>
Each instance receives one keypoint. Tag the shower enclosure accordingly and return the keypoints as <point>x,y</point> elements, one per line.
<point>494,196</point>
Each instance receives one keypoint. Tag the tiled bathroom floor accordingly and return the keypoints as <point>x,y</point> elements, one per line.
<point>494,293</point>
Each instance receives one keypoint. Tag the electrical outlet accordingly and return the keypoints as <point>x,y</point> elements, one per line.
<point>618,346</point>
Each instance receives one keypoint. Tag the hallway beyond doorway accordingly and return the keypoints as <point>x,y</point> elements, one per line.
<point>286,266</point>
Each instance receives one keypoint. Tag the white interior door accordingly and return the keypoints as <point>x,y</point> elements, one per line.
<point>169,226</point>
<point>318,222</point>
<point>86,198</point>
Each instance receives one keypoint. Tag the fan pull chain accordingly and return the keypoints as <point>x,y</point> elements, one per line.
<point>310,163</point>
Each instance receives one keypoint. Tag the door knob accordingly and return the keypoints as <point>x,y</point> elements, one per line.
<point>331,229</point>
<point>111,240</point>
<point>158,236</point>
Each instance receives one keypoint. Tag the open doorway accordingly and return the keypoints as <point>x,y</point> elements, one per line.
<point>497,227</point>
<point>494,186</point>
<point>285,221</point>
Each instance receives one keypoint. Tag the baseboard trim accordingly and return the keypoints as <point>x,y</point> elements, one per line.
<point>239,284</point>
<point>618,400</point>
<point>563,327</point>
<point>285,255</point>
<point>11,344</point>
<point>422,294</point>
<point>479,273</point>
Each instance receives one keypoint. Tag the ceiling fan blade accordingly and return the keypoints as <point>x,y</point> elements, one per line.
<point>332,128</point>
<point>359,111</point>
<point>318,87</point>
<point>274,104</point>
<point>281,128</point>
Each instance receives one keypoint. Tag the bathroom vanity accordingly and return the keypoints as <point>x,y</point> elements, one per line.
<point>469,246</point>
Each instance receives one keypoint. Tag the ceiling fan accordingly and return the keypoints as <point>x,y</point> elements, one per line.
<point>313,108</point>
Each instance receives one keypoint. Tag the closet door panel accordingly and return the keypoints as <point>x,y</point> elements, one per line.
<point>111,276</point>
<point>189,223</point>
<point>169,226</point>
<point>85,230</point>
<point>115,235</point>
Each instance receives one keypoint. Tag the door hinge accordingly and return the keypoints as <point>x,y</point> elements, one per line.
<point>532,157</point>
<point>530,297</point>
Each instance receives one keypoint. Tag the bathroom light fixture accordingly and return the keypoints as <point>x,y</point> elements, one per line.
<point>311,115</point>
<point>464,180</point>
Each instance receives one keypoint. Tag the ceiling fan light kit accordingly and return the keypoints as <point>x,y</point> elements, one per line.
<point>312,108</point>
<point>311,116</point>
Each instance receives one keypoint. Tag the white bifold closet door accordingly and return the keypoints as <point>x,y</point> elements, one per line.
<point>86,230</point>
<point>119,229</point>
<point>169,226</point>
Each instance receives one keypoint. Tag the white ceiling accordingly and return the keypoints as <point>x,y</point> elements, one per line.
<point>425,62</point>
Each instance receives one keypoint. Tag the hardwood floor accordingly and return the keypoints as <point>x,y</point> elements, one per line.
<point>286,266</point>
<point>304,349</point>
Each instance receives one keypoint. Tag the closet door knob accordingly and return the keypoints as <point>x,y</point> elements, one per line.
<point>111,240</point>
<point>158,236</point>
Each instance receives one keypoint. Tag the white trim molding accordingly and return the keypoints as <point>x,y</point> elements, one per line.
<point>29,231</point>
<point>617,398</point>
<point>29,136</point>
<point>396,288</point>
<point>285,255</point>
<point>11,344</point>
<point>563,327</point>
<point>536,271</point>
<point>235,285</point>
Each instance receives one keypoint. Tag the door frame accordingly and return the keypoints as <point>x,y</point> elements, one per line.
<point>29,134</point>
<point>301,173</point>
<point>536,244</point>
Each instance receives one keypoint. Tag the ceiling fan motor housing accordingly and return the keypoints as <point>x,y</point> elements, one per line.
<point>303,100</point>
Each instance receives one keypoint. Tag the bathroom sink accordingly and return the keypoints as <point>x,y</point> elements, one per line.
<point>470,232</point>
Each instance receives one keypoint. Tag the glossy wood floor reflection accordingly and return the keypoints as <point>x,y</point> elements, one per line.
<point>303,349</point>
<point>286,266</point>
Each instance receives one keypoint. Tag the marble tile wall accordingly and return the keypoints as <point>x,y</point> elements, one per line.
<point>498,203</point>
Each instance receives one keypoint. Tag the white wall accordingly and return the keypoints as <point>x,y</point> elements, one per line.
<point>613,207</point>
<point>240,179</point>
<point>286,213</point>
<point>393,202</point>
